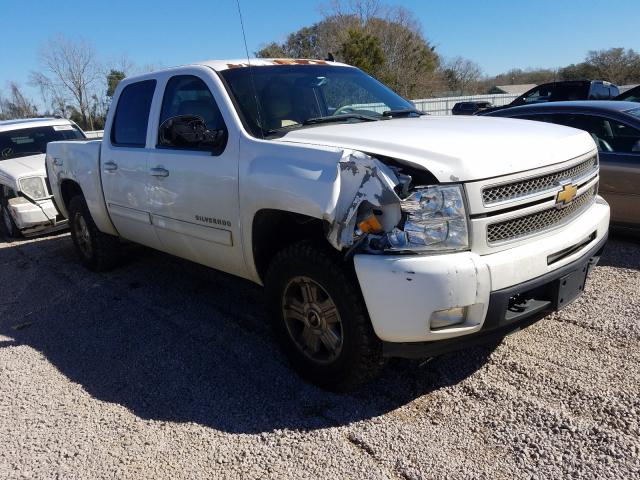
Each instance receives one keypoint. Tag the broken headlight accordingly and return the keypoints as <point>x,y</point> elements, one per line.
<point>434,218</point>
<point>33,187</point>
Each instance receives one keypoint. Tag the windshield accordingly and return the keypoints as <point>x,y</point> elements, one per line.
<point>32,141</point>
<point>291,95</point>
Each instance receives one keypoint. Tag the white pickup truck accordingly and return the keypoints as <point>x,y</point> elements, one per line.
<point>377,230</point>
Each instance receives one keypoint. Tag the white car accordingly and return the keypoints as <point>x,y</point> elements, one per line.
<point>26,206</point>
<point>377,230</point>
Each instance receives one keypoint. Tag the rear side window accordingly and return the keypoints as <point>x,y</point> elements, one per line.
<point>132,114</point>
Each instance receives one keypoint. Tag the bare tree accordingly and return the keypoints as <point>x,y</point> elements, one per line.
<point>70,75</point>
<point>17,105</point>
<point>462,75</point>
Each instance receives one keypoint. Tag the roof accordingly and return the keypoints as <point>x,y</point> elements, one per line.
<point>579,105</point>
<point>515,89</point>
<point>16,124</point>
<point>220,65</point>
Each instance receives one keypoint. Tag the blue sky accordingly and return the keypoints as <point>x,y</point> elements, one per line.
<point>498,34</point>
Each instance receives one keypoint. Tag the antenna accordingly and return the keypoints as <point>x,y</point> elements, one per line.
<point>253,85</point>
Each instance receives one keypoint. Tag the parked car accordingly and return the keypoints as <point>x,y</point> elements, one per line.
<point>632,95</point>
<point>470,108</point>
<point>375,234</point>
<point>615,127</point>
<point>26,206</point>
<point>564,91</point>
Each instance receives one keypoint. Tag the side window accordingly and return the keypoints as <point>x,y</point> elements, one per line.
<point>189,95</point>
<point>610,135</point>
<point>132,114</point>
<point>624,139</point>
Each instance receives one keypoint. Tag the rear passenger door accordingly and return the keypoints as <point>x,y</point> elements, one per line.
<point>194,192</point>
<point>124,164</point>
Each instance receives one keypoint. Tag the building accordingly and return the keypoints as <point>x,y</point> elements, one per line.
<point>511,89</point>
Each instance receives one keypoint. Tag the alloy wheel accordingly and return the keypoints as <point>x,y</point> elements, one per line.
<point>312,320</point>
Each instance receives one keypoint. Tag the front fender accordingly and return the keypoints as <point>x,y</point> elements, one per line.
<point>319,182</point>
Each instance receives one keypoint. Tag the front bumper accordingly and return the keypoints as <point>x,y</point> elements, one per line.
<point>402,292</point>
<point>541,296</point>
<point>31,218</point>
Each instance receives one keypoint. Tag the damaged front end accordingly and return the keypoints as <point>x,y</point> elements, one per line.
<point>377,209</point>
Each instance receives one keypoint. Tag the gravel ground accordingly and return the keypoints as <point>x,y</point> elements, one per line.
<point>164,369</point>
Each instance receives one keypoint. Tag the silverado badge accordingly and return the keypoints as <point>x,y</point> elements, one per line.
<point>566,195</point>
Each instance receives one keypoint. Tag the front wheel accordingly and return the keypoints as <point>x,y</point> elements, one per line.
<point>320,319</point>
<point>9,228</point>
<point>97,251</point>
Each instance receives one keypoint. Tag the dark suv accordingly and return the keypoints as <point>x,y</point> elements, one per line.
<point>565,90</point>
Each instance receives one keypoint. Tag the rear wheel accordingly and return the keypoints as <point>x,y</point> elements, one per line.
<point>97,251</point>
<point>320,319</point>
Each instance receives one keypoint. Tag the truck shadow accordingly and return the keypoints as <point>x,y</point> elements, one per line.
<point>174,341</point>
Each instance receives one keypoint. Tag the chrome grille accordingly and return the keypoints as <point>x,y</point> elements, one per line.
<point>536,222</point>
<point>511,191</point>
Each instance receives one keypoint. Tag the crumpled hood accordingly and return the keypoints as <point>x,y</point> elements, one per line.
<point>16,168</point>
<point>456,148</point>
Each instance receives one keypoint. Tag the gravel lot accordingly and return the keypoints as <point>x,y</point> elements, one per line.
<point>164,369</point>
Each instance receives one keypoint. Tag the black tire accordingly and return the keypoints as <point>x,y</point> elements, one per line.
<point>359,357</point>
<point>97,251</point>
<point>9,228</point>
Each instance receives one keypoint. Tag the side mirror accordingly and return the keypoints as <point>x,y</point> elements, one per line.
<point>636,147</point>
<point>190,131</point>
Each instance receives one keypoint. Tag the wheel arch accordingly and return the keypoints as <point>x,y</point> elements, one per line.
<point>273,230</point>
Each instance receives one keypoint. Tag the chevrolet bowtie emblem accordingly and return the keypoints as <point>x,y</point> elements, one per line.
<point>566,195</point>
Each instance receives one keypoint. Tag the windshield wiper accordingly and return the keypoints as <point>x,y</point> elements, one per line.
<point>340,118</point>
<point>402,112</point>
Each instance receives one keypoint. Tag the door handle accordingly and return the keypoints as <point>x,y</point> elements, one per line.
<point>159,172</point>
<point>57,162</point>
<point>110,166</point>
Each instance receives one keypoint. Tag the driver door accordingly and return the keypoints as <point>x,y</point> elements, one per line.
<point>194,191</point>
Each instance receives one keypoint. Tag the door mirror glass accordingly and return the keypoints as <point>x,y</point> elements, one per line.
<point>190,132</point>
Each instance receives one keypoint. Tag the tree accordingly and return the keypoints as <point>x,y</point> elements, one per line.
<point>409,64</point>
<point>578,71</point>
<point>462,75</point>
<point>363,51</point>
<point>113,79</point>
<point>17,105</point>
<point>70,75</point>
<point>616,65</point>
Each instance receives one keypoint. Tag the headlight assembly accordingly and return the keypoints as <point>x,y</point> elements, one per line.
<point>34,188</point>
<point>435,219</point>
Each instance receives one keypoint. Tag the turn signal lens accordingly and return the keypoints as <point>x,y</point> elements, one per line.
<point>370,225</point>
